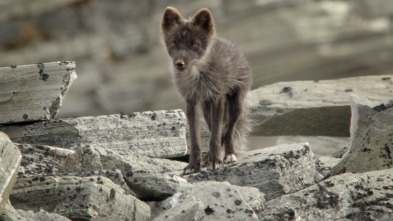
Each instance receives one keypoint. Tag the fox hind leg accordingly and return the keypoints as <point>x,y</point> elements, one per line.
<point>235,109</point>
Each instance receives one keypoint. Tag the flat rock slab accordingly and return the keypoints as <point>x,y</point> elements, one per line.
<point>34,92</point>
<point>275,171</point>
<point>317,108</point>
<point>151,133</point>
<point>78,198</point>
<point>371,137</point>
<point>10,158</point>
<point>211,200</point>
<point>362,196</point>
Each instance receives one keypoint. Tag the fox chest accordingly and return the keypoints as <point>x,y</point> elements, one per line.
<point>198,88</point>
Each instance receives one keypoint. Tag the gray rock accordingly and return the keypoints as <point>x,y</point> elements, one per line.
<point>325,163</point>
<point>339,153</point>
<point>212,200</point>
<point>320,145</point>
<point>116,176</point>
<point>275,171</point>
<point>11,214</point>
<point>371,137</point>
<point>129,164</point>
<point>155,134</point>
<point>34,92</point>
<point>319,108</point>
<point>148,177</point>
<point>10,158</point>
<point>92,197</point>
<point>363,196</point>
<point>43,160</point>
<point>145,176</point>
<point>155,186</point>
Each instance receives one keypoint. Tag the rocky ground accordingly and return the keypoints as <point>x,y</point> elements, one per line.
<point>129,166</point>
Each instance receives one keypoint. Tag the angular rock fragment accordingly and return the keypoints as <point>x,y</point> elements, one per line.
<point>317,108</point>
<point>34,92</point>
<point>212,200</point>
<point>148,177</point>
<point>10,158</point>
<point>78,198</point>
<point>325,163</point>
<point>371,137</point>
<point>156,134</point>
<point>275,171</point>
<point>43,160</point>
<point>320,145</point>
<point>155,186</point>
<point>365,196</point>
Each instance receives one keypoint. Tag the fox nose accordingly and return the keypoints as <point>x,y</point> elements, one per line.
<point>180,64</point>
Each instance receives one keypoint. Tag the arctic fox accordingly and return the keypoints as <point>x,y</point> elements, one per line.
<point>212,75</point>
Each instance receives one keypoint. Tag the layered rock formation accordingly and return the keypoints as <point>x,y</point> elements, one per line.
<point>126,166</point>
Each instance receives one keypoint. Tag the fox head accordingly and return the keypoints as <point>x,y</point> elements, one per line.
<point>187,40</point>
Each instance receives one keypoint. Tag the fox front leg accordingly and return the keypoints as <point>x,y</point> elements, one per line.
<point>212,158</point>
<point>195,163</point>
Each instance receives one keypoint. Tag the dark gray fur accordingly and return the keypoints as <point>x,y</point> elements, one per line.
<point>212,75</point>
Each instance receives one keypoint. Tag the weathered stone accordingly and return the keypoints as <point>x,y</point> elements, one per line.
<point>325,163</point>
<point>130,164</point>
<point>339,153</point>
<point>34,92</point>
<point>154,186</point>
<point>371,137</point>
<point>275,171</point>
<point>116,176</point>
<point>12,214</point>
<point>317,108</point>
<point>365,196</point>
<point>320,145</point>
<point>212,200</point>
<point>155,134</point>
<point>78,198</point>
<point>43,160</point>
<point>10,158</point>
<point>146,176</point>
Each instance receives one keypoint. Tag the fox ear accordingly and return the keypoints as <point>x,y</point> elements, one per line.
<point>204,19</point>
<point>170,18</point>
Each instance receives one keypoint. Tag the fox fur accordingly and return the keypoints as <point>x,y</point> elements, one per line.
<point>213,76</point>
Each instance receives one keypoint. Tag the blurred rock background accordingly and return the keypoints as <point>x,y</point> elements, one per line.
<point>122,66</point>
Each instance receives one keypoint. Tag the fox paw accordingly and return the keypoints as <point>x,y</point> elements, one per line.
<point>211,162</point>
<point>193,167</point>
<point>230,158</point>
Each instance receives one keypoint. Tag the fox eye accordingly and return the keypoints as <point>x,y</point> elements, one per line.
<point>172,44</point>
<point>195,45</point>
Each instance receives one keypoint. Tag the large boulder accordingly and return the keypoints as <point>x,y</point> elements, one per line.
<point>364,196</point>
<point>151,133</point>
<point>34,92</point>
<point>10,158</point>
<point>275,171</point>
<point>371,137</point>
